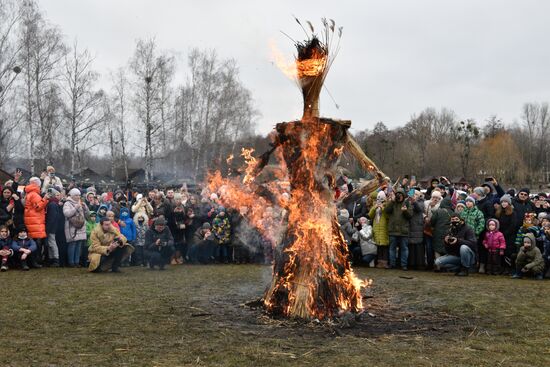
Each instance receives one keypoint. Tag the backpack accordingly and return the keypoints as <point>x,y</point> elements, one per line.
<point>77,221</point>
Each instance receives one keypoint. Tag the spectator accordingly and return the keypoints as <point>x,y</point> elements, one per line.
<point>111,216</point>
<point>460,206</point>
<point>51,181</point>
<point>346,227</point>
<point>108,248</point>
<point>430,207</point>
<point>221,228</point>
<point>6,247</point>
<point>529,226</point>
<point>529,259</point>
<point>460,247</point>
<point>202,245</point>
<point>127,226</point>
<point>54,215</point>
<point>379,219</point>
<point>91,201</point>
<point>138,257</point>
<point>75,213</point>
<point>367,246</point>
<point>91,222</point>
<point>178,228</point>
<point>142,206</point>
<point>35,213</point>
<point>11,209</point>
<point>474,218</point>
<point>509,226</point>
<point>399,213</point>
<point>417,250</point>
<point>495,244</point>
<point>440,222</point>
<point>522,203</point>
<point>484,203</point>
<point>26,250</point>
<point>159,244</point>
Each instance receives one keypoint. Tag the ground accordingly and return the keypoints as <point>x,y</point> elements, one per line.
<point>195,315</point>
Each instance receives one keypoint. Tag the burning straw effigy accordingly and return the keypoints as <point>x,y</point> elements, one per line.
<point>312,276</point>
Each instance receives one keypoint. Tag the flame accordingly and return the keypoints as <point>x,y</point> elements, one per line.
<point>230,159</point>
<point>251,164</point>
<point>295,69</point>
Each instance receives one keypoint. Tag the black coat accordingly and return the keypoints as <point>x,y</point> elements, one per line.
<point>486,206</point>
<point>522,207</point>
<point>416,224</point>
<point>465,235</point>
<point>151,237</point>
<point>54,216</point>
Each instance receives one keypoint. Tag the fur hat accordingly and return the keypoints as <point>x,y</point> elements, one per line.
<point>436,194</point>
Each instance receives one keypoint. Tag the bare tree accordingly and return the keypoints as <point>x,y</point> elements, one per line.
<point>82,115</point>
<point>152,73</point>
<point>120,97</point>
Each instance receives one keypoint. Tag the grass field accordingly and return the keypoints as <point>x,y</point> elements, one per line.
<point>194,315</point>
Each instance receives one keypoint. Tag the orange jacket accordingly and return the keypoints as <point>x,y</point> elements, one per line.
<point>35,212</point>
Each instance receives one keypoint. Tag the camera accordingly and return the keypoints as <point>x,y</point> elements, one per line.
<point>118,241</point>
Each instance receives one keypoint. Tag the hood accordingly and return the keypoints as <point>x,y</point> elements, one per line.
<point>102,206</point>
<point>493,220</point>
<point>490,186</point>
<point>32,188</point>
<point>124,213</point>
<point>342,219</point>
<point>532,239</point>
<point>402,192</point>
<point>145,218</point>
<point>446,203</point>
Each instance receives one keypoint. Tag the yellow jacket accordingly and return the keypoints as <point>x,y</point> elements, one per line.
<point>100,242</point>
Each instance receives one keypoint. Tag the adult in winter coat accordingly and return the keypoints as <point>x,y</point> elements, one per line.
<point>346,227</point>
<point>358,208</point>
<point>142,206</point>
<point>75,213</point>
<point>417,249</point>
<point>509,226</point>
<point>367,247</point>
<point>51,181</point>
<point>484,203</point>
<point>178,227</point>
<point>159,244</point>
<point>440,223</point>
<point>379,219</point>
<point>399,213</point>
<point>35,212</point>
<point>108,248</point>
<point>529,260</point>
<point>12,209</point>
<point>460,247</point>
<point>54,214</point>
<point>522,204</point>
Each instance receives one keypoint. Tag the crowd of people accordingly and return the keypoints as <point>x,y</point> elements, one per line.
<point>443,228</point>
<point>446,228</point>
<point>45,224</point>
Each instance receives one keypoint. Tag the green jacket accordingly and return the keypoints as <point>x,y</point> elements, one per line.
<point>90,225</point>
<point>531,259</point>
<point>380,229</point>
<point>474,218</point>
<point>398,220</point>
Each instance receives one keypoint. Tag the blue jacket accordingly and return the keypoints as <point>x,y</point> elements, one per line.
<point>27,243</point>
<point>128,231</point>
<point>8,244</point>
<point>98,215</point>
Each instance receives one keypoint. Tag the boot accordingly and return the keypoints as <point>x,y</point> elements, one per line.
<point>381,264</point>
<point>24,265</point>
<point>481,269</point>
<point>463,272</point>
<point>4,267</point>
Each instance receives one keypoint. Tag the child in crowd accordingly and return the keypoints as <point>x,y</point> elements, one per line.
<point>6,247</point>
<point>529,259</point>
<point>222,232</point>
<point>366,242</point>
<point>141,226</point>
<point>90,225</point>
<point>495,244</point>
<point>26,248</point>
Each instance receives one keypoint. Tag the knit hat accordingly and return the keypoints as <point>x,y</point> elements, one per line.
<point>461,203</point>
<point>53,191</point>
<point>90,189</point>
<point>480,192</point>
<point>206,225</point>
<point>525,189</point>
<point>506,198</point>
<point>74,192</point>
<point>160,221</point>
<point>470,198</point>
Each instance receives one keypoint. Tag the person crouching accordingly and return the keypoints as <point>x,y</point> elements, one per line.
<point>159,244</point>
<point>6,247</point>
<point>108,248</point>
<point>26,249</point>
<point>529,260</point>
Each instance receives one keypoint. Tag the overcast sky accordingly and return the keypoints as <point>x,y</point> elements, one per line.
<point>477,57</point>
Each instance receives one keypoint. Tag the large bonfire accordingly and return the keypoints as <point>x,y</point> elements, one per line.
<point>312,276</point>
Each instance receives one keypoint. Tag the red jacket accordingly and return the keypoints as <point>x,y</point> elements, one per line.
<point>35,212</point>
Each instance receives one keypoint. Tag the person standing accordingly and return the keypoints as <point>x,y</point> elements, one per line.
<point>399,213</point>
<point>75,226</point>
<point>35,213</point>
<point>53,214</point>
